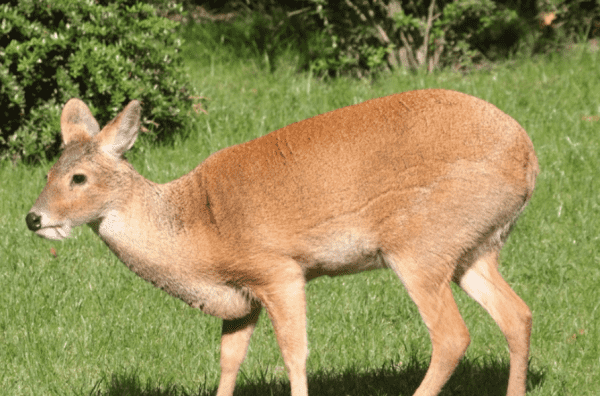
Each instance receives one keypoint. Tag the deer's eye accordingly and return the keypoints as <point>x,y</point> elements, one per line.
<point>79,179</point>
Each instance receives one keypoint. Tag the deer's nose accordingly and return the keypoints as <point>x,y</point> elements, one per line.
<point>34,221</point>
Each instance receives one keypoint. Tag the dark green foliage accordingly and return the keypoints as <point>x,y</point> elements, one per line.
<point>564,22</point>
<point>330,36</point>
<point>354,35</point>
<point>358,37</point>
<point>105,53</point>
<point>456,33</point>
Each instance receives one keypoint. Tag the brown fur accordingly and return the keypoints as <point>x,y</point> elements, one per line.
<point>427,183</point>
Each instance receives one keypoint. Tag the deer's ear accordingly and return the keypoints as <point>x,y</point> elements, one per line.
<point>120,134</point>
<point>77,122</point>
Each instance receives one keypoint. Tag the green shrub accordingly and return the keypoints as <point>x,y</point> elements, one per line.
<point>105,53</point>
<point>457,33</point>
<point>564,22</point>
<point>361,36</point>
<point>353,36</point>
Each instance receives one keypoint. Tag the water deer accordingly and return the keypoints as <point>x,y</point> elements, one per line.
<point>427,183</point>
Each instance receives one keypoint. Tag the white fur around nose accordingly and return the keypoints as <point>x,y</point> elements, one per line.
<point>51,229</point>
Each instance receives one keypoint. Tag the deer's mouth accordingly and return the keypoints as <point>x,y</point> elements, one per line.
<point>45,228</point>
<point>54,232</point>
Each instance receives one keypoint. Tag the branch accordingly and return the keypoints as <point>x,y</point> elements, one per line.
<point>409,51</point>
<point>428,29</point>
<point>357,10</point>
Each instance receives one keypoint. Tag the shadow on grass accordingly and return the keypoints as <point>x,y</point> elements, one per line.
<point>470,378</point>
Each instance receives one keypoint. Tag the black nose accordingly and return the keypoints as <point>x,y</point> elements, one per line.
<point>34,222</point>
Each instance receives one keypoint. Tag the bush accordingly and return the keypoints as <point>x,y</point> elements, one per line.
<point>362,36</point>
<point>354,36</point>
<point>457,33</point>
<point>105,53</point>
<point>564,22</point>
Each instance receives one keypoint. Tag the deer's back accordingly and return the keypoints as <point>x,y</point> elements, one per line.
<point>342,161</point>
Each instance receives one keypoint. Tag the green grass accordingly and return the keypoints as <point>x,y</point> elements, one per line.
<point>81,323</point>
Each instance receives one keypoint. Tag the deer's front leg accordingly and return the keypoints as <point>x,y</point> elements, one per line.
<point>235,338</point>
<point>284,299</point>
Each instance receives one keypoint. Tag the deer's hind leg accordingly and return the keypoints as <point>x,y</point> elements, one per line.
<point>428,284</point>
<point>482,281</point>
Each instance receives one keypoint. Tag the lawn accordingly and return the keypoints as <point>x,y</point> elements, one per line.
<point>75,321</point>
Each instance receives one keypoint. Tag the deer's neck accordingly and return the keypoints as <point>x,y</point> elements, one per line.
<point>163,234</point>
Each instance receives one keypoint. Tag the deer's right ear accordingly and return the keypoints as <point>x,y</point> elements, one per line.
<point>77,122</point>
<point>119,135</point>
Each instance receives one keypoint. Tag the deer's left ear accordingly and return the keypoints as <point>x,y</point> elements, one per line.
<point>77,122</point>
<point>119,135</point>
